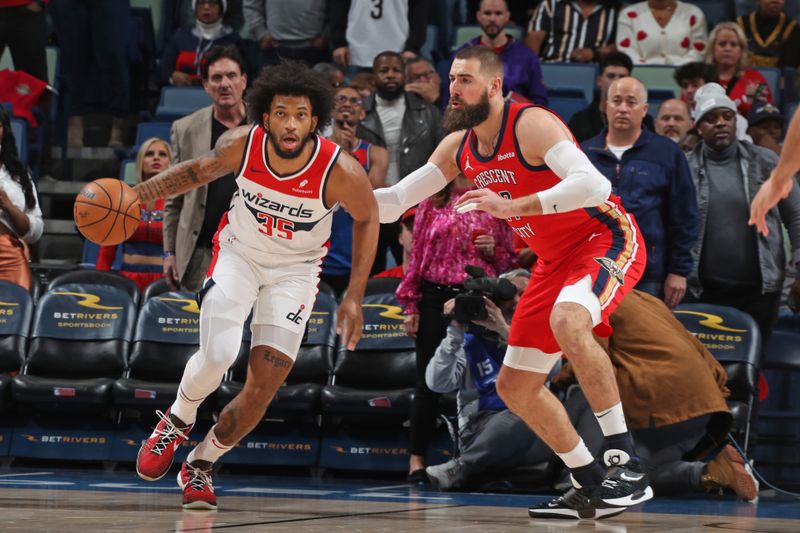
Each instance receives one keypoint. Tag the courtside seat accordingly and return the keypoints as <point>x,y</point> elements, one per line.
<point>299,396</point>
<point>733,338</point>
<point>79,346</point>
<point>16,312</point>
<point>167,335</point>
<point>98,277</point>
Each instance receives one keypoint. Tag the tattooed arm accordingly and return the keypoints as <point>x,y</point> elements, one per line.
<point>226,157</point>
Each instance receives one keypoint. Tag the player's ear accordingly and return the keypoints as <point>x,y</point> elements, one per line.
<point>314,121</point>
<point>496,86</point>
<point>265,121</point>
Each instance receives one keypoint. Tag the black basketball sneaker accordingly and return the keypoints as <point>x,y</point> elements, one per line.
<point>574,504</point>
<point>625,483</point>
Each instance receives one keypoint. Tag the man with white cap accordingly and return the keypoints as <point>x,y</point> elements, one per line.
<point>733,264</point>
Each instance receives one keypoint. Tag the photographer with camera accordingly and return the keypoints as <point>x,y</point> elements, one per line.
<point>468,360</point>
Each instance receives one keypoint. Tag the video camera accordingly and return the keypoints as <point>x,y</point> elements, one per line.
<point>470,305</point>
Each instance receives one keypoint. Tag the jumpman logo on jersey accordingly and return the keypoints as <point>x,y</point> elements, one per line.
<point>467,166</point>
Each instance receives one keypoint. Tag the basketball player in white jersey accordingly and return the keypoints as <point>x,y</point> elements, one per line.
<point>267,256</point>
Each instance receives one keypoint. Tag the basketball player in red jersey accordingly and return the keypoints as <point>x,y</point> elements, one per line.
<point>267,256</point>
<point>528,169</point>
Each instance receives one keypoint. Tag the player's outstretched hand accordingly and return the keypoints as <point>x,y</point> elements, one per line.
<point>485,200</point>
<point>349,322</point>
<point>768,195</point>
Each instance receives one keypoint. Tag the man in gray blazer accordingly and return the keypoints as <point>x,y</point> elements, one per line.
<point>191,219</point>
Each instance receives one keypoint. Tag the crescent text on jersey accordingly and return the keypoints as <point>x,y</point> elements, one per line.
<point>494,175</point>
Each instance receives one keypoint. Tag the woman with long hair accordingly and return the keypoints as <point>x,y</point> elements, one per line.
<point>445,241</point>
<point>727,50</point>
<point>142,254</point>
<point>20,215</point>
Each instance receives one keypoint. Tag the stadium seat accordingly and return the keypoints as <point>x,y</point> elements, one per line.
<point>16,311</point>
<point>655,97</point>
<point>564,79</point>
<point>382,286</point>
<point>773,77</point>
<point>778,451</point>
<point>79,346</point>
<point>657,77</point>
<point>127,171</point>
<point>97,277</point>
<point>370,397</point>
<point>177,102</point>
<point>733,338</point>
<point>145,130</point>
<point>154,289</point>
<point>566,107</point>
<point>20,129</point>
<point>167,334</point>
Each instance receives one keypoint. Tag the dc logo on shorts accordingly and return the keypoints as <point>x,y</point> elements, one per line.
<point>297,316</point>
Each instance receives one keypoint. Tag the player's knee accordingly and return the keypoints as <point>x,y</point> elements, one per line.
<point>515,386</point>
<point>569,334</point>
<point>221,356</point>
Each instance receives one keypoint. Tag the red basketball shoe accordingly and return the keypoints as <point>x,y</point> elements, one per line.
<point>156,454</point>
<point>198,488</point>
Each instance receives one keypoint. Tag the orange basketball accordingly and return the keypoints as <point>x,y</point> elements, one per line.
<point>106,211</point>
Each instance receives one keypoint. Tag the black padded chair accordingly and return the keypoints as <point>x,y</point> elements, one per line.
<point>154,289</point>
<point>79,345</point>
<point>98,277</point>
<point>299,396</point>
<point>382,285</point>
<point>778,452</point>
<point>16,312</point>
<point>167,335</point>
<point>733,338</point>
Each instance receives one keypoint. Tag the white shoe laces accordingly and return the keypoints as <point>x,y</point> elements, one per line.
<point>168,434</point>
<point>199,479</point>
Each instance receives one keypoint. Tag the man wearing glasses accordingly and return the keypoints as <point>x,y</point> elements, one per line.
<point>423,80</point>
<point>348,112</point>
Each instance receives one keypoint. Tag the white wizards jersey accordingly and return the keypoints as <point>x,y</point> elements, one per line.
<point>277,219</point>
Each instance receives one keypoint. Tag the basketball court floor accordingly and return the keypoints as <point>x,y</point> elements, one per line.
<point>93,500</point>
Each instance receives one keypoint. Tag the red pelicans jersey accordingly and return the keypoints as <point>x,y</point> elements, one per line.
<point>279,219</point>
<point>550,237</point>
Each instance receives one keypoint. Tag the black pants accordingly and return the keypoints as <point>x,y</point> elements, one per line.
<point>24,32</point>
<point>432,329</point>
<point>762,307</point>
<point>388,241</point>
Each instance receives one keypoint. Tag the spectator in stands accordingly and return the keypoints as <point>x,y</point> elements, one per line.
<point>364,82</point>
<point>673,119</point>
<point>361,28</point>
<point>141,253</point>
<point>691,77</point>
<point>766,127</point>
<point>334,74</point>
<point>733,264</point>
<point>772,37</point>
<point>589,122</point>
<point>406,239</point>
<point>673,391</point>
<point>191,219</point>
<point>183,56</point>
<point>406,125</point>
<point>348,112</point>
<point>650,175</point>
<point>23,29</point>
<point>523,73</point>
<point>579,31</point>
<point>727,50</point>
<point>468,360</point>
<point>20,217</point>
<point>444,243</point>
<point>94,57</point>
<point>662,32</point>
<point>289,30</point>
<point>423,80</point>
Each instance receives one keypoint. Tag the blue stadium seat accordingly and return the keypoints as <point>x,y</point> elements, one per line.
<point>20,129</point>
<point>78,347</point>
<point>94,277</point>
<point>177,102</point>
<point>716,11</point>
<point>773,77</point>
<point>160,130</point>
<point>778,452</point>
<point>654,99</point>
<point>578,76</point>
<point>733,338</point>
<point>566,107</point>
<point>16,312</point>
<point>167,334</point>
<point>371,393</point>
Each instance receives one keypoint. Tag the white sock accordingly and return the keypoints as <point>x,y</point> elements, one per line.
<point>577,457</point>
<point>209,450</point>
<point>612,420</point>
<point>184,407</point>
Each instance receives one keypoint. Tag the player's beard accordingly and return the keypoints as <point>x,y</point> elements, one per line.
<point>283,154</point>
<point>466,116</point>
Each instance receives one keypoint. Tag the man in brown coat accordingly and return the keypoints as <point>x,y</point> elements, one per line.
<point>673,392</point>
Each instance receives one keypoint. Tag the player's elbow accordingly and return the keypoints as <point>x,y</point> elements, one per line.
<point>598,190</point>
